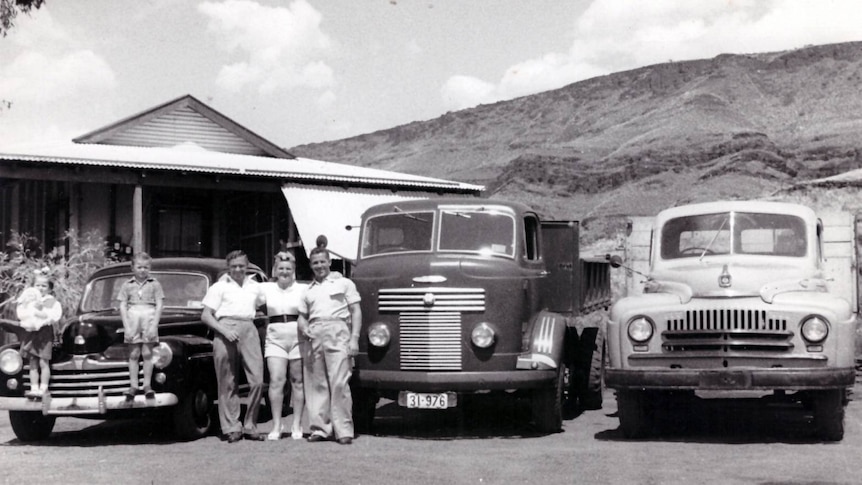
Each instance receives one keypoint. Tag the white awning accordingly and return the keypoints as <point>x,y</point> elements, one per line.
<point>329,210</point>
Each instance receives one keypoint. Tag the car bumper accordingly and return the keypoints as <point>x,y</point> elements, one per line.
<point>72,406</point>
<point>453,381</point>
<point>737,379</point>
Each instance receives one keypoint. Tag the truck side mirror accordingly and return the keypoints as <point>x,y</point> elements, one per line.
<point>615,261</point>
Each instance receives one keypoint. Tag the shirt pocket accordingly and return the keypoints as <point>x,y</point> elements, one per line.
<point>335,293</point>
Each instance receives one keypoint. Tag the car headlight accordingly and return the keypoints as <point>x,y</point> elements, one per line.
<point>162,355</point>
<point>815,329</point>
<point>11,362</point>
<point>378,335</point>
<point>482,336</point>
<point>640,329</point>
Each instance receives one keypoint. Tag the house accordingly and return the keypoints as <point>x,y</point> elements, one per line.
<point>181,179</point>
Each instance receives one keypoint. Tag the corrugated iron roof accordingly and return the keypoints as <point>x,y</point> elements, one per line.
<point>192,158</point>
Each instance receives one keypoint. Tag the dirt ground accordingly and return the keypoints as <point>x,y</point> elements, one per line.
<point>714,442</point>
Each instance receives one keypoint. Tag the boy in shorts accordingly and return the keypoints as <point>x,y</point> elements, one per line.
<point>141,299</point>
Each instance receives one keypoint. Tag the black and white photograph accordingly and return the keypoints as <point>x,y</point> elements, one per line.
<point>425,242</point>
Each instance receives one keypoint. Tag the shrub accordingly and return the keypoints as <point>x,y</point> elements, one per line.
<point>69,272</point>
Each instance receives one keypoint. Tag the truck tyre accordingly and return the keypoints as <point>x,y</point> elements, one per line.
<point>635,417</point>
<point>590,396</point>
<point>547,406</point>
<point>364,408</point>
<point>31,425</point>
<point>193,415</point>
<point>829,414</point>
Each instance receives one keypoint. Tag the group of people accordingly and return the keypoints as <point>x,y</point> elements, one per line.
<point>312,334</point>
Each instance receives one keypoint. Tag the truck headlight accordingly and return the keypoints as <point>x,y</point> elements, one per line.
<point>378,335</point>
<point>815,329</point>
<point>482,336</point>
<point>162,355</point>
<point>11,362</point>
<point>640,329</point>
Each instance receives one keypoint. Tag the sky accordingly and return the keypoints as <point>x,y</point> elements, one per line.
<point>304,71</point>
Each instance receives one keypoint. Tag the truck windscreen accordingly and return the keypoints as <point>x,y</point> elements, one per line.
<point>703,235</point>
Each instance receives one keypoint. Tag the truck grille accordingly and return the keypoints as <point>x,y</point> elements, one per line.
<point>726,330</point>
<point>432,300</point>
<point>430,340</point>
<point>68,380</point>
<point>430,323</point>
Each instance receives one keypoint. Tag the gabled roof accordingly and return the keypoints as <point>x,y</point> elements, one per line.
<point>182,122</point>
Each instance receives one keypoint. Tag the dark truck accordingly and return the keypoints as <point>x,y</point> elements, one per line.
<point>89,366</point>
<point>464,296</point>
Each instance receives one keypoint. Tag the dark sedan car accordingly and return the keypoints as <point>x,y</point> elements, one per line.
<point>89,367</point>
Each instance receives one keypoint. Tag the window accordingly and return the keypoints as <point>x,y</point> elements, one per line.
<point>486,232</point>
<point>180,232</point>
<point>398,232</point>
<point>733,232</point>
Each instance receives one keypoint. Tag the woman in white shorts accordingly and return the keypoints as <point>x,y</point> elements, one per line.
<point>281,348</point>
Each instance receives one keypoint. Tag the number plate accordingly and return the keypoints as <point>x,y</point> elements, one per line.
<point>725,380</point>
<point>425,400</point>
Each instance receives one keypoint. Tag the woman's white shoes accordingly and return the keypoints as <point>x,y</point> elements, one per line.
<point>297,435</point>
<point>275,434</point>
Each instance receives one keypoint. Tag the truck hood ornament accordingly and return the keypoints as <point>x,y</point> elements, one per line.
<point>724,279</point>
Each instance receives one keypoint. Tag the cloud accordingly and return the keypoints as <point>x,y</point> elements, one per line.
<point>281,47</point>
<point>617,35</point>
<point>50,66</point>
<point>40,78</point>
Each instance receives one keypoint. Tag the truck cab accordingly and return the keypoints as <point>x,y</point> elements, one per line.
<point>738,296</point>
<point>461,296</point>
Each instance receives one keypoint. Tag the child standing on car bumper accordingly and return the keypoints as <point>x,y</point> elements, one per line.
<point>141,300</point>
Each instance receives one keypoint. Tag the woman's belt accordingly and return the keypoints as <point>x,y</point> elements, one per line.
<point>283,318</point>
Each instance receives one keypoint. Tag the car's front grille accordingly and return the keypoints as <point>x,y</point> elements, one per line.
<point>726,330</point>
<point>82,376</point>
<point>430,340</point>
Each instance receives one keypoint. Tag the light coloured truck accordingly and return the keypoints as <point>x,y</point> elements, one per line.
<point>735,299</point>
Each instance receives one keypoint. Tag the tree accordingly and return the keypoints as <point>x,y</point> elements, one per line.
<point>9,10</point>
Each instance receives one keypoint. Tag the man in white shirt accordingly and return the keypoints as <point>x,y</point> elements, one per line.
<point>229,308</point>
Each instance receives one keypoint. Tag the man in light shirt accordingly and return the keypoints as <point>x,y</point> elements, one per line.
<point>229,309</point>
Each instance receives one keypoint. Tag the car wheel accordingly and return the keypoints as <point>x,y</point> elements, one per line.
<point>31,425</point>
<point>193,416</point>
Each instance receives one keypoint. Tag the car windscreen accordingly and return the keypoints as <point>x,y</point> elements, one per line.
<point>703,235</point>
<point>487,232</point>
<point>397,232</point>
<point>184,290</point>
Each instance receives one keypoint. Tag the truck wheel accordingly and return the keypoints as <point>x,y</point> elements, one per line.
<point>547,406</point>
<point>31,425</point>
<point>590,396</point>
<point>829,414</point>
<point>364,408</point>
<point>193,416</point>
<point>635,417</point>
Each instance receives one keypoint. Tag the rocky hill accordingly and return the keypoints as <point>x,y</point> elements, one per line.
<point>634,142</point>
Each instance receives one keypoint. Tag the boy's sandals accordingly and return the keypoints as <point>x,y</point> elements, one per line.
<point>130,394</point>
<point>149,393</point>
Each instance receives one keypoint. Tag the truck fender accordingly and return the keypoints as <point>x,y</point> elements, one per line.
<point>546,342</point>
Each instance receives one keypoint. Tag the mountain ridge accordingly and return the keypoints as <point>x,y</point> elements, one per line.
<point>637,141</point>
